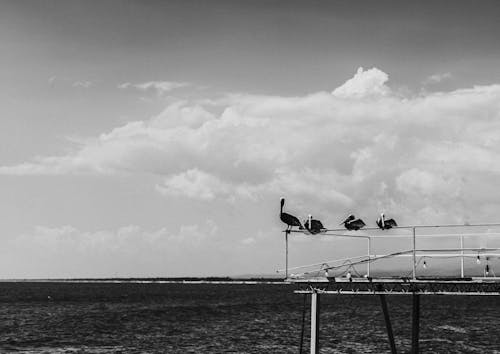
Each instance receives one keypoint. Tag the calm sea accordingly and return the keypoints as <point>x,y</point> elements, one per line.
<point>209,318</point>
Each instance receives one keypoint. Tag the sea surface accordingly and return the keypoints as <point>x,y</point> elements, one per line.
<point>43,317</point>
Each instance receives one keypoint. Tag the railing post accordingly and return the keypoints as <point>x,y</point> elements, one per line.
<point>462,258</point>
<point>414,255</point>
<point>286,253</point>
<point>369,255</point>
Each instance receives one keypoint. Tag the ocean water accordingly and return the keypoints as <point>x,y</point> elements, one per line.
<point>42,317</point>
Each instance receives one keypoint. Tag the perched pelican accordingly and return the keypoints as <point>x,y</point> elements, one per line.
<point>385,224</point>
<point>288,219</point>
<point>351,223</point>
<point>314,226</point>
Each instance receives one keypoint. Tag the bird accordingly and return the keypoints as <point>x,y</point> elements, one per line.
<point>288,219</point>
<point>351,223</point>
<point>386,224</point>
<point>314,226</point>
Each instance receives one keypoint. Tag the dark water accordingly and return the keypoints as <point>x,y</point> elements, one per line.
<point>178,318</point>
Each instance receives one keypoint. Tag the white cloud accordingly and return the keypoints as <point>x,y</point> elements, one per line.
<point>161,87</point>
<point>82,84</point>
<point>193,184</point>
<point>248,241</point>
<point>437,78</point>
<point>365,82</point>
<point>424,184</point>
<point>361,147</point>
<point>68,81</point>
<point>126,251</point>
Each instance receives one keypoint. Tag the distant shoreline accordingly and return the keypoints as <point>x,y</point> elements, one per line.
<point>159,280</point>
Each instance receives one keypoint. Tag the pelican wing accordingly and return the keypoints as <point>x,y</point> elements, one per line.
<point>290,219</point>
<point>358,223</point>
<point>391,223</point>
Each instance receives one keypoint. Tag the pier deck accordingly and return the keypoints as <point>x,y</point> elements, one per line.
<point>399,286</point>
<point>318,287</point>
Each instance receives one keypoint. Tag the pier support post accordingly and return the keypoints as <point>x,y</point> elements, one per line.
<point>415,323</point>
<point>315,303</point>
<point>383,302</point>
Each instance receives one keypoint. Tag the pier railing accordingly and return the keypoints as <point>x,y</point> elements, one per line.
<point>435,248</point>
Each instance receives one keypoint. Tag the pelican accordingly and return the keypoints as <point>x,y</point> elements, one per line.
<point>314,226</point>
<point>385,224</point>
<point>288,219</point>
<point>351,223</point>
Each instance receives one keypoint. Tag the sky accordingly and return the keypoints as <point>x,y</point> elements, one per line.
<point>156,138</point>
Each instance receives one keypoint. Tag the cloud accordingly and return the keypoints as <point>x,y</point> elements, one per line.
<point>248,241</point>
<point>437,78</point>
<point>424,184</point>
<point>66,251</point>
<point>51,80</point>
<point>161,87</point>
<point>66,81</point>
<point>193,184</point>
<point>361,147</point>
<point>82,84</point>
<point>365,82</point>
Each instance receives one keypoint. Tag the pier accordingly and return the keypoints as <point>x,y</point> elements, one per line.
<point>334,278</point>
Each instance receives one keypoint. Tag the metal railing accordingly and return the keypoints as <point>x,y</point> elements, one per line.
<point>414,253</point>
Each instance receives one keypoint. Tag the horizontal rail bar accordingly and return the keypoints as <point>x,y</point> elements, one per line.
<point>409,235</point>
<point>426,226</point>
<point>437,255</point>
<point>404,280</point>
<point>350,292</point>
<point>396,254</point>
<point>322,263</point>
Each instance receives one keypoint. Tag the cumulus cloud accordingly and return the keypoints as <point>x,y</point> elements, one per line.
<point>161,87</point>
<point>194,184</point>
<point>425,184</point>
<point>359,147</point>
<point>437,78</point>
<point>364,83</point>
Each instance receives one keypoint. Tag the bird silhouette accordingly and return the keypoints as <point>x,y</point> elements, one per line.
<point>386,224</point>
<point>314,226</point>
<point>351,223</point>
<point>288,219</point>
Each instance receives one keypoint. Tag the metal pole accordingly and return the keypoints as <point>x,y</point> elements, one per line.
<point>388,323</point>
<point>422,226</point>
<point>462,258</point>
<point>286,254</point>
<point>415,323</point>
<point>369,255</point>
<point>315,322</point>
<point>414,255</point>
